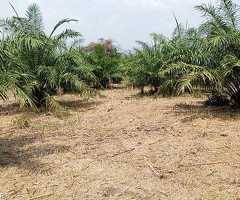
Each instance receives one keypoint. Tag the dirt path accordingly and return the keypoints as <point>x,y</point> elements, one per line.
<point>120,147</point>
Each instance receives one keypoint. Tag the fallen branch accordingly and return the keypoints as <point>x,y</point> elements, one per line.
<point>40,197</point>
<point>204,164</point>
<point>88,165</point>
<point>155,172</point>
<point>123,152</point>
<point>155,142</point>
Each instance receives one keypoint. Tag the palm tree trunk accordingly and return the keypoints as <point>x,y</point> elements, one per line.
<point>142,90</point>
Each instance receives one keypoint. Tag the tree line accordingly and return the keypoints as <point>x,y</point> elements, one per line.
<point>204,58</point>
<point>35,65</point>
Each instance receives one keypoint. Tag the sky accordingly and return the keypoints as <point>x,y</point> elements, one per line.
<point>124,21</point>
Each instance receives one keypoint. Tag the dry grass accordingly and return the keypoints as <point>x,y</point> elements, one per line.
<point>121,146</point>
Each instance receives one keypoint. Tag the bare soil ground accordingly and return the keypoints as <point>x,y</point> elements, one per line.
<point>120,146</point>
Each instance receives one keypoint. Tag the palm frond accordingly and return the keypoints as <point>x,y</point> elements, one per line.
<point>34,19</point>
<point>60,23</point>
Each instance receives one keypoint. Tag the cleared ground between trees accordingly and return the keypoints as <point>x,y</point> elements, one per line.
<point>121,146</point>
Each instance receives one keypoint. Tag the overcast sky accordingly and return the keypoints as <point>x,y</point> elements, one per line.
<point>125,21</point>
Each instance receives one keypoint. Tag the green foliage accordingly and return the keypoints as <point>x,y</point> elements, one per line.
<point>204,58</point>
<point>142,66</point>
<point>104,59</point>
<point>222,45</point>
<point>35,66</point>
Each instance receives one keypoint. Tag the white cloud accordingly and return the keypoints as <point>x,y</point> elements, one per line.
<point>148,3</point>
<point>123,20</point>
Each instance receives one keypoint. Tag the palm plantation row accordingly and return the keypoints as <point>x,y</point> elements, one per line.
<point>204,58</point>
<point>35,66</point>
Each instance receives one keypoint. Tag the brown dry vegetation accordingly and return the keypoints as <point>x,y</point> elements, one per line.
<point>120,146</point>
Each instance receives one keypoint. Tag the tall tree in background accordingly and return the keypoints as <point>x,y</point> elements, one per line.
<point>104,57</point>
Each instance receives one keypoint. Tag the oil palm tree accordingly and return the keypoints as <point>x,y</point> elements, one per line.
<point>37,65</point>
<point>143,65</point>
<point>211,61</point>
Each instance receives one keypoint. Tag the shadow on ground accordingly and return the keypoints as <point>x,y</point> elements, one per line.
<point>80,105</point>
<point>139,95</point>
<point>200,111</point>
<point>23,149</point>
<point>23,153</point>
<point>116,87</point>
<point>10,109</point>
